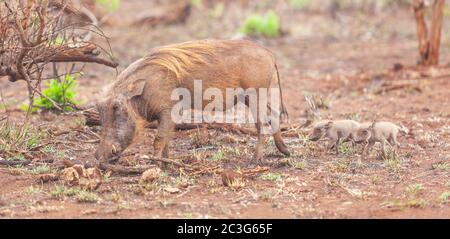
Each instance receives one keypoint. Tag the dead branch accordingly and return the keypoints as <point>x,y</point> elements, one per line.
<point>36,33</point>
<point>15,163</point>
<point>397,87</point>
<point>170,161</point>
<point>92,119</point>
<point>254,171</point>
<point>122,170</point>
<point>205,170</point>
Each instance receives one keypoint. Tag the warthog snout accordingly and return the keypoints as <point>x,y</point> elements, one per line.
<point>314,137</point>
<point>108,152</point>
<point>317,134</point>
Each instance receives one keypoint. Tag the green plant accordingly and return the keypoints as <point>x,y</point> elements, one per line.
<point>412,203</point>
<point>33,190</point>
<point>442,166</point>
<point>275,177</point>
<point>217,156</point>
<point>217,11</point>
<point>355,117</point>
<point>266,26</point>
<point>267,195</point>
<point>346,149</point>
<point>17,139</point>
<point>86,197</point>
<point>304,138</point>
<point>444,198</point>
<point>109,5</point>
<point>299,4</point>
<point>414,189</point>
<point>297,164</point>
<point>61,92</point>
<point>60,191</point>
<point>392,164</point>
<point>164,203</point>
<point>41,169</point>
<point>196,3</point>
<point>374,179</point>
<point>447,11</point>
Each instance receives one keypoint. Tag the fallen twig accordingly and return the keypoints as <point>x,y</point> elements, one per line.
<point>170,161</point>
<point>15,163</point>
<point>397,87</point>
<point>254,171</point>
<point>123,170</point>
<point>205,170</point>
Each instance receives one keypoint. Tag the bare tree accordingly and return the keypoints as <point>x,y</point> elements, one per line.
<point>37,33</point>
<point>429,45</point>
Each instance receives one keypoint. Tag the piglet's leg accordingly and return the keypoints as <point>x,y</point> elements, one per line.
<point>366,149</point>
<point>395,145</point>
<point>165,130</point>
<point>337,146</point>
<point>383,148</point>
<point>363,153</point>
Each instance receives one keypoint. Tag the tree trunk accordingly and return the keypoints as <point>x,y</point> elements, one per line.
<point>436,28</point>
<point>429,48</point>
<point>422,32</point>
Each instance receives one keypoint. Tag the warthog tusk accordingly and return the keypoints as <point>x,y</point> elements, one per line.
<point>114,149</point>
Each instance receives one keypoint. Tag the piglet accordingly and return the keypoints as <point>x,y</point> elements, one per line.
<point>370,133</point>
<point>335,131</point>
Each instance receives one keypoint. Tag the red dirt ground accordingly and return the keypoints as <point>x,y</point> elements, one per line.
<point>341,59</point>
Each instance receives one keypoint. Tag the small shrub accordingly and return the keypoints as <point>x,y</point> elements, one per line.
<point>266,26</point>
<point>62,92</point>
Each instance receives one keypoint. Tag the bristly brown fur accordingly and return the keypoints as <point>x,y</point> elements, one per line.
<point>179,58</point>
<point>176,59</point>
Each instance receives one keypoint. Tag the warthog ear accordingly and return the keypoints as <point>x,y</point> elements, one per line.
<point>135,88</point>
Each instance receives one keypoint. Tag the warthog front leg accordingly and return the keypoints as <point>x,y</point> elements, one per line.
<point>259,147</point>
<point>166,128</point>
